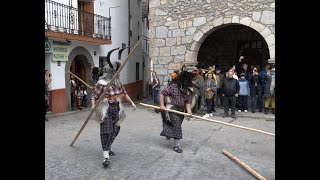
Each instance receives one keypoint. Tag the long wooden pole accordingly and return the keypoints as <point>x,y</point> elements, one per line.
<point>211,120</point>
<point>104,92</point>
<point>248,168</point>
<point>81,80</point>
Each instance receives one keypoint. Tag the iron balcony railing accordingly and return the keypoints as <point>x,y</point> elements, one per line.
<point>67,19</point>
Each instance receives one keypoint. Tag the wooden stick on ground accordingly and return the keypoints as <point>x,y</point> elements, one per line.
<point>248,168</point>
<point>211,120</point>
<point>104,92</point>
<point>81,80</point>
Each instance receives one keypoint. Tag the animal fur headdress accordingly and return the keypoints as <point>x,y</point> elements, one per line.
<point>110,69</point>
<point>185,79</point>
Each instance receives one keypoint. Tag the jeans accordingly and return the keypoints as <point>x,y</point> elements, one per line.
<point>155,96</point>
<point>209,105</point>
<point>199,101</point>
<point>243,102</point>
<point>230,102</point>
<point>219,96</point>
<point>196,104</point>
<point>255,101</point>
<point>213,103</point>
<point>269,100</point>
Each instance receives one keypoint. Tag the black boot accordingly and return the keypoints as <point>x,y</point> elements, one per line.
<point>265,110</point>
<point>178,149</point>
<point>106,162</point>
<point>111,153</point>
<point>273,111</point>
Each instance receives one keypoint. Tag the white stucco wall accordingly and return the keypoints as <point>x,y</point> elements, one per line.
<point>135,11</point>
<point>119,33</point>
<point>58,72</point>
<point>119,30</point>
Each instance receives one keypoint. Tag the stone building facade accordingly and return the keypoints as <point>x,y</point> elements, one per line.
<point>178,28</point>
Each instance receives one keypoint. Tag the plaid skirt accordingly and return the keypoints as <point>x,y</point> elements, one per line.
<point>111,119</point>
<point>172,128</point>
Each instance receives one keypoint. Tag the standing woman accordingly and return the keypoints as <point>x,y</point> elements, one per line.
<point>210,88</point>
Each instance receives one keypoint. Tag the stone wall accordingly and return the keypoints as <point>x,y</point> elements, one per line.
<point>178,27</point>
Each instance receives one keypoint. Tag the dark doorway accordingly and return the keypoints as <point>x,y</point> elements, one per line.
<point>225,45</point>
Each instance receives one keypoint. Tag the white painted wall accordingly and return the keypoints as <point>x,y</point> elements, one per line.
<point>119,34</point>
<point>119,30</point>
<point>58,72</point>
<point>135,11</point>
<point>47,61</point>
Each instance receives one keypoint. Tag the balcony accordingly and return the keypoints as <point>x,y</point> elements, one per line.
<point>62,21</point>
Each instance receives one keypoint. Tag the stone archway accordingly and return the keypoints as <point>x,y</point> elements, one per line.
<point>201,34</point>
<point>88,64</point>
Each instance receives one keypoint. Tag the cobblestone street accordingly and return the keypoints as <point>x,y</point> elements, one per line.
<point>141,153</point>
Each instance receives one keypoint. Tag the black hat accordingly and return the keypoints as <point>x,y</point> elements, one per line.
<point>218,68</point>
<point>242,74</point>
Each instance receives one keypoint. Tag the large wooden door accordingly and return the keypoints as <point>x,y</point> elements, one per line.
<point>78,68</point>
<point>86,18</point>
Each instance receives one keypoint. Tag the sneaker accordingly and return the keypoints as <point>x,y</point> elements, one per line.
<point>233,116</point>
<point>229,109</point>
<point>206,115</point>
<point>224,115</point>
<point>210,114</point>
<point>239,110</point>
<point>245,111</point>
<point>178,149</point>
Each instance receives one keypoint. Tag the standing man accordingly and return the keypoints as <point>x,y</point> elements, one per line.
<point>180,99</point>
<point>155,88</point>
<point>197,88</point>
<point>230,90</point>
<point>263,75</point>
<point>46,102</point>
<point>219,79</point>
<point>256,90</point>
<point>239,64</point>
<point>48,80</point>
<point>73,86</point>
<point>269,95</point>
<point>109,112</point>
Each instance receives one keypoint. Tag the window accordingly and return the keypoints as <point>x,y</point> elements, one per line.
<point>138,30</point>
<point>137,71</point>
<point>130,25</point>
<point>100,62</point>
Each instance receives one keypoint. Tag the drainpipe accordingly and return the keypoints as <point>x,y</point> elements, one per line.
<point>129,25</point>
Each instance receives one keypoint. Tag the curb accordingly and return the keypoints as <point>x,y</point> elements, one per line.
<point>50,115</point>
